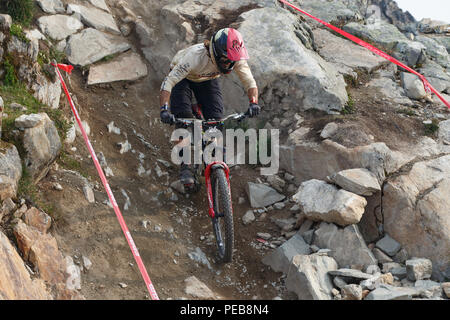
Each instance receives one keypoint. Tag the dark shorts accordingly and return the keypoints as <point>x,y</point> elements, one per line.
<point>207,94</point>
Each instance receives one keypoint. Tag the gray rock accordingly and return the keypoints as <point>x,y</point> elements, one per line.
<point>413,86</point>
<point>321,201</point>
<point>359,181</point>
<point>429,289</point>
<point>5,22</point>
<point>435,51</point>
<point>10,170</point>
<point>444,131</point>
<point>388,266</point>
<point>388,292</point>
<point>401,256</point>
<point>351,275</point>
<point>326,88</point>
<point>419,269</point>
<point>95,18</point>
<point>345,55</point>
<point>446,288</point>
<point>373,269</point>
<point>352,292</point>
<point>381,256</point>
<point>381,33</point>
<point>412,52</point>
<point>91,45</point>
<point>308,277</point>
<point>329,130</point>
<point>100,4</point>
<point>421,192</point>
<point>198,289</point>
<point>280,259</point>
<point>200,257</point>
<point>51,6</point>
<point>59,27</point>
<point>42,145</point>
<point>388,245</point>
<point>308,236</point>
<point>261,195</point>
<point>248,217</point>
<point>355,250</point>
<point>127,67</point>
<point>339,282</point>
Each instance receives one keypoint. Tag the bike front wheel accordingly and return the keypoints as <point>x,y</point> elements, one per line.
<point>223,220</point>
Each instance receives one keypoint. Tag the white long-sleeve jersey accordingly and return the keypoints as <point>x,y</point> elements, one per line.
<point>194,63</point>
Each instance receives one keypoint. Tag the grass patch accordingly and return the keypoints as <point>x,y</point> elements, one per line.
<point>27,189</point>
<point>20,10</point>
<point>10,78</point>
<point>431,128</point>
<point>17,31</point>
<point>407,112</point>
<point>18,93</point>
<point>349,108</point>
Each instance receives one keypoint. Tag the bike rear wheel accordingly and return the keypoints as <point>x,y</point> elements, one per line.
<point>223,221</point>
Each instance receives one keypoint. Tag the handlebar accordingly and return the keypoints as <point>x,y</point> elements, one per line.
<point>234,116</point>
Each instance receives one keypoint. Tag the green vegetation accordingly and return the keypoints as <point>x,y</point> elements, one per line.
<point>20,10</point>
<point>17,31</point>
<point>18,93</point>
<point>45,57</point>
<point>10,78</point>
<point>431,128</point>
<point>407,112</point>
<point>349,108</point>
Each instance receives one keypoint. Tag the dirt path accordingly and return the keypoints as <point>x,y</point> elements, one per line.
<point>174,228</point>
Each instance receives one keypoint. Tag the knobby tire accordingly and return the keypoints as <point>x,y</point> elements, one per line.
<point>224,214</point>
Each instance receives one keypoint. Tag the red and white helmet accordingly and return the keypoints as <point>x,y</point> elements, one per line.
<point>228,47</point>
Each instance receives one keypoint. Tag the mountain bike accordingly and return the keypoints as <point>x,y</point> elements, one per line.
<point>217,180</point>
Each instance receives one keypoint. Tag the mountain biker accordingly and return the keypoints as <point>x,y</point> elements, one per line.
<point>196,69</point>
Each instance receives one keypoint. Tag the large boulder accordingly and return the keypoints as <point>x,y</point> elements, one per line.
<point>415,212</point>
<point>59,26</point>
<point>311,160</point>
<point>379,32</point>
<point>345,55</point>
<point>10,170</point>
<point>261,195</point>
<point>15,280</point>
<point>389,11</point>
<point>280,259</point>
<point>435,51</point>
<point>91,45</point>
<point>41,142</point>
<point>127,67</point>
<point>333,11</point>
<point>320,201</point>
<point>95,18</point>
<point>51,6</point>
<point>347,245</point>
<point>360,181</point>
<point>308,277</point>
<point>438,76</point>
<point>282,73</point>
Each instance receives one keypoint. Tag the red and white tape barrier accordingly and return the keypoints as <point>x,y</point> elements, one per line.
<point>134,250</point>
<point>428,87</point>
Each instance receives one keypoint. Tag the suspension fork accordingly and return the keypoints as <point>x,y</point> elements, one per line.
<point>213,166</point>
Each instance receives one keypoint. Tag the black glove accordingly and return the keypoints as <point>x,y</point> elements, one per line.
<point>166,117</point>
<point>253,110</point>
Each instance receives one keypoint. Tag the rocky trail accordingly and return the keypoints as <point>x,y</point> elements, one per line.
<point>357,209</point>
